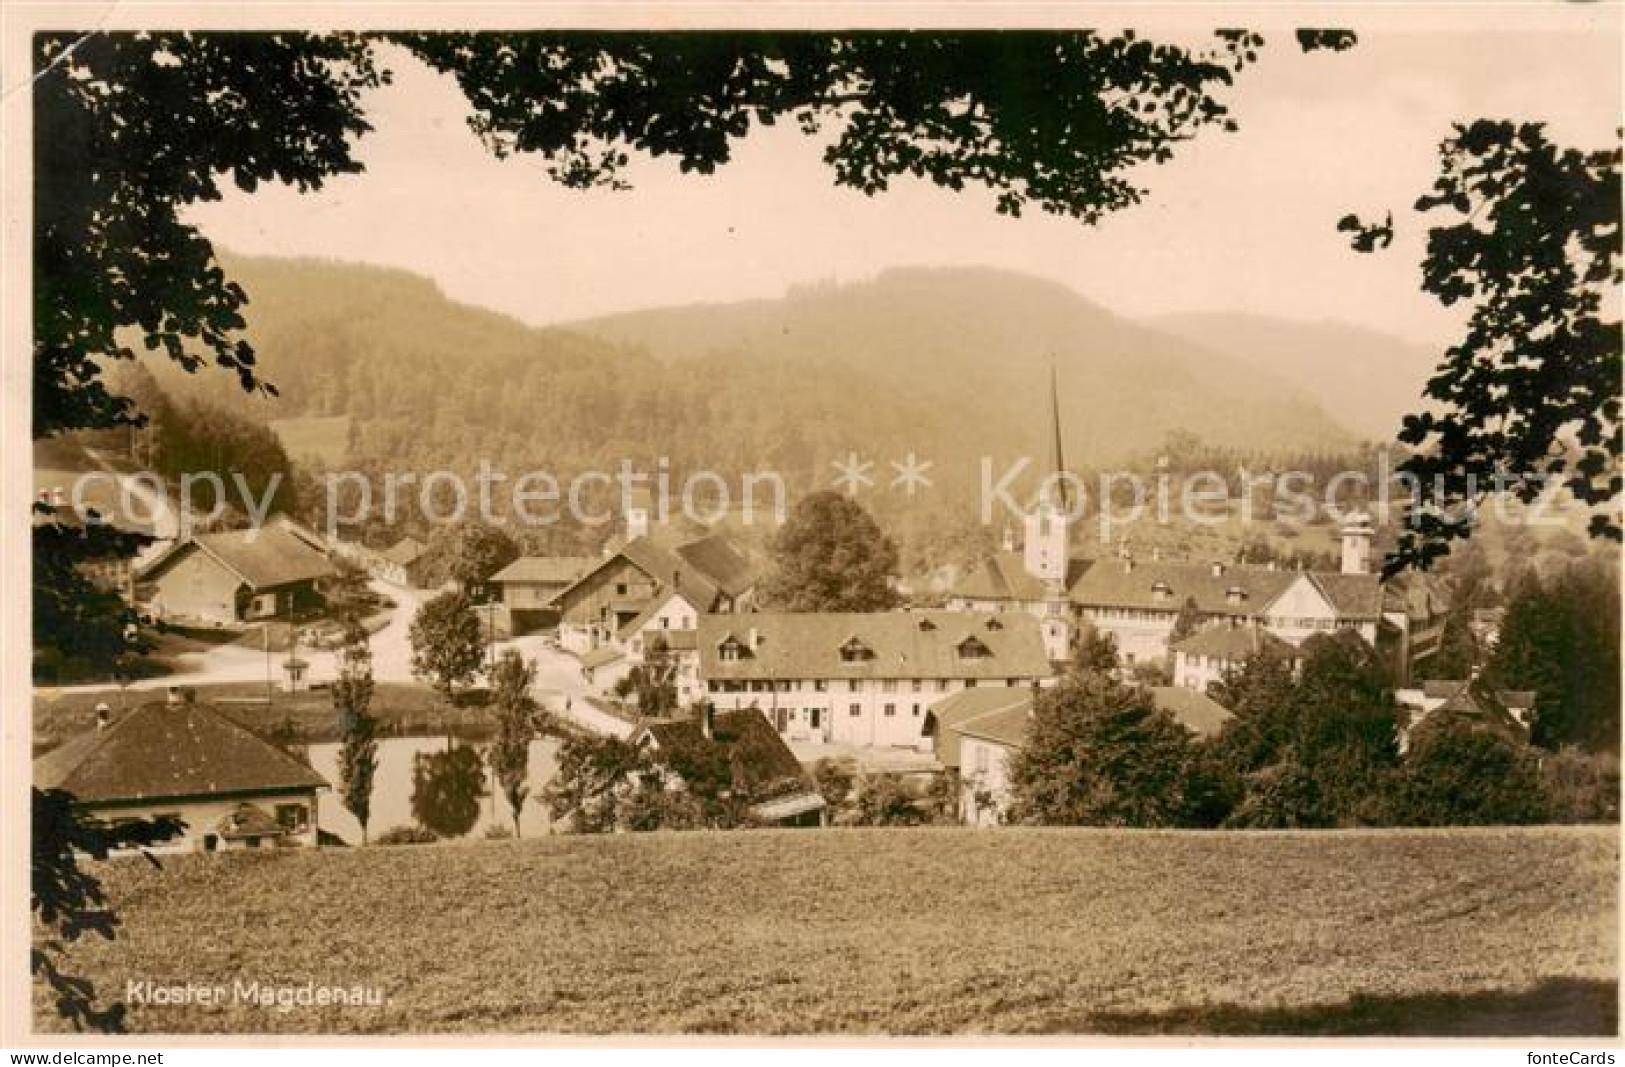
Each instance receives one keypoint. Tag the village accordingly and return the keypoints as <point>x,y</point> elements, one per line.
<point>663,641</point>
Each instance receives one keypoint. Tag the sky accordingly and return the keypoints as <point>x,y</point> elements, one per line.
<point>1241,222</point>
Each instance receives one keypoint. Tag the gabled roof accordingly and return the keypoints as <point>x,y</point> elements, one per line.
<point>1475,704</point>
<point>1436,689</point>
<point>1196,712</point>
<point>661,598</point>
<point>1352,595</point>
<point>406,551</point>
<point>545,570</point>
<point>946,717</point>
<point>1234,643</point>
<point>262,558</point>
<point>809,645</point>
<point>162,750</point>
<point>1004,576</point>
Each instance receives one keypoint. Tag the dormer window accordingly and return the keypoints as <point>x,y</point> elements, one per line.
<point>1235,595</point>
<point>995,624</point>
<point>973,648</point>
<point>855,651</point>
<point>731,650</point>
<point>926,625</point>
<point>1161,591</point>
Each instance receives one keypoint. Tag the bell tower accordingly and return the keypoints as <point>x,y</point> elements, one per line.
<point>1047,546</point>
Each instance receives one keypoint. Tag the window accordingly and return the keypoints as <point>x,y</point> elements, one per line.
<point>916,711</point>
<point>942,685</point>
<point>854,710</point>
<point>620,588</point>
<point>970,683</point>
<point>995,624</point>
<point>972,648</point>
<point>852,685</point>
<point>918,685</point>
<point>889,685</point>
<point>294,818</point>
<point>981,759</point>
<point>819,685</point>
<point>855,651</point>
<point>890,710</point>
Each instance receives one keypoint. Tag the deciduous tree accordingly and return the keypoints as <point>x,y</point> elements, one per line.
<point>352,699</point>
<point>830,556</point>
<point>448,646</point>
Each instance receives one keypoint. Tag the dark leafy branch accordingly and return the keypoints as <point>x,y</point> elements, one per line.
<point>1528,401</point>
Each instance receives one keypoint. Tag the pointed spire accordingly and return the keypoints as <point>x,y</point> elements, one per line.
<point>1057,458</point>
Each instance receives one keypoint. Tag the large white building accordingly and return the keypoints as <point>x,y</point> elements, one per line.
<point>863,678</point>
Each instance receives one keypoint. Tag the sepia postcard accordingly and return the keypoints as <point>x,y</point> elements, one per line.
<point>790,524</point>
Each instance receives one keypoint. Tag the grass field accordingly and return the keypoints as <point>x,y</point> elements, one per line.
<point>904,931</point>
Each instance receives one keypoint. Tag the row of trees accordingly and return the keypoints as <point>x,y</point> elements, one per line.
<point>1319,747</point>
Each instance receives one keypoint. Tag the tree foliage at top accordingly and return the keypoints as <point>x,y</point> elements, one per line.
<point>1530,394</point>
<point>129,129</point>
<point>830,555</point>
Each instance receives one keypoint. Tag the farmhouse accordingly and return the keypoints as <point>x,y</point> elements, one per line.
<point>755,754</point>
<point>707,572</point>
<point>222,579</point>
<point>863,678</point>
<point>979,746</point>
<point>181,758</point>
<point>1207,655</point>
<point>528,585</point>
<point>404,563</point>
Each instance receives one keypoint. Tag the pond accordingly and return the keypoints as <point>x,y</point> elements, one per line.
<point>470,783</point>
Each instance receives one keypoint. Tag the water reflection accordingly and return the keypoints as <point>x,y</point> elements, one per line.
<point>393,787</point>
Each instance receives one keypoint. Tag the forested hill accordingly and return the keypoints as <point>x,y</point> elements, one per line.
<point>951,365</point>
<point>981,341</point>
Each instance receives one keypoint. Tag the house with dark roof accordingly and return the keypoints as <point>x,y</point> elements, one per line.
<point>759,761</point>
<point>232,788</point>
<point>707,572</point>
<point>222,579</point>
<point>1470,702</point>
<point>863,678</point>
<point>1207,655</point>
<point>978,739</point>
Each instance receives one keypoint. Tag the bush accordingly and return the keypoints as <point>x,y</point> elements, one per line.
<point>1458,775</point>
<point>498,832</point>
<point>1581,786</point>
<point>407,835</point>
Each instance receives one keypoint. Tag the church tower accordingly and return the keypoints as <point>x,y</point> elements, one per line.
<point>1047,546</point>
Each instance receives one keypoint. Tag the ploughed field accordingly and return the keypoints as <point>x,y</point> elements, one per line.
<point>887,931</point>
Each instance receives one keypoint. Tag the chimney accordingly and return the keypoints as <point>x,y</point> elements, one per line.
<point>172,697</point>
<point>1218,569</point>
<point>755,639</point>
<point>1009,539</point>
<point>1128,564</point>
<point>676,577</point>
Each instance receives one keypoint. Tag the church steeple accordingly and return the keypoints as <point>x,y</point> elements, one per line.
<point>1047,547</point>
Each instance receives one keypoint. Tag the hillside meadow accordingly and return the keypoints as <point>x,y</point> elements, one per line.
<point>946,931</point>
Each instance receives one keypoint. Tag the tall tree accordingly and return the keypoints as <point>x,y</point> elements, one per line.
<point>1560,638</point>
<point>358,747</point>
<point>1187,622</point>
<point>1459,775</point>
<point>448,646</point>
<point>515,708</point>
<point>830,555</point>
